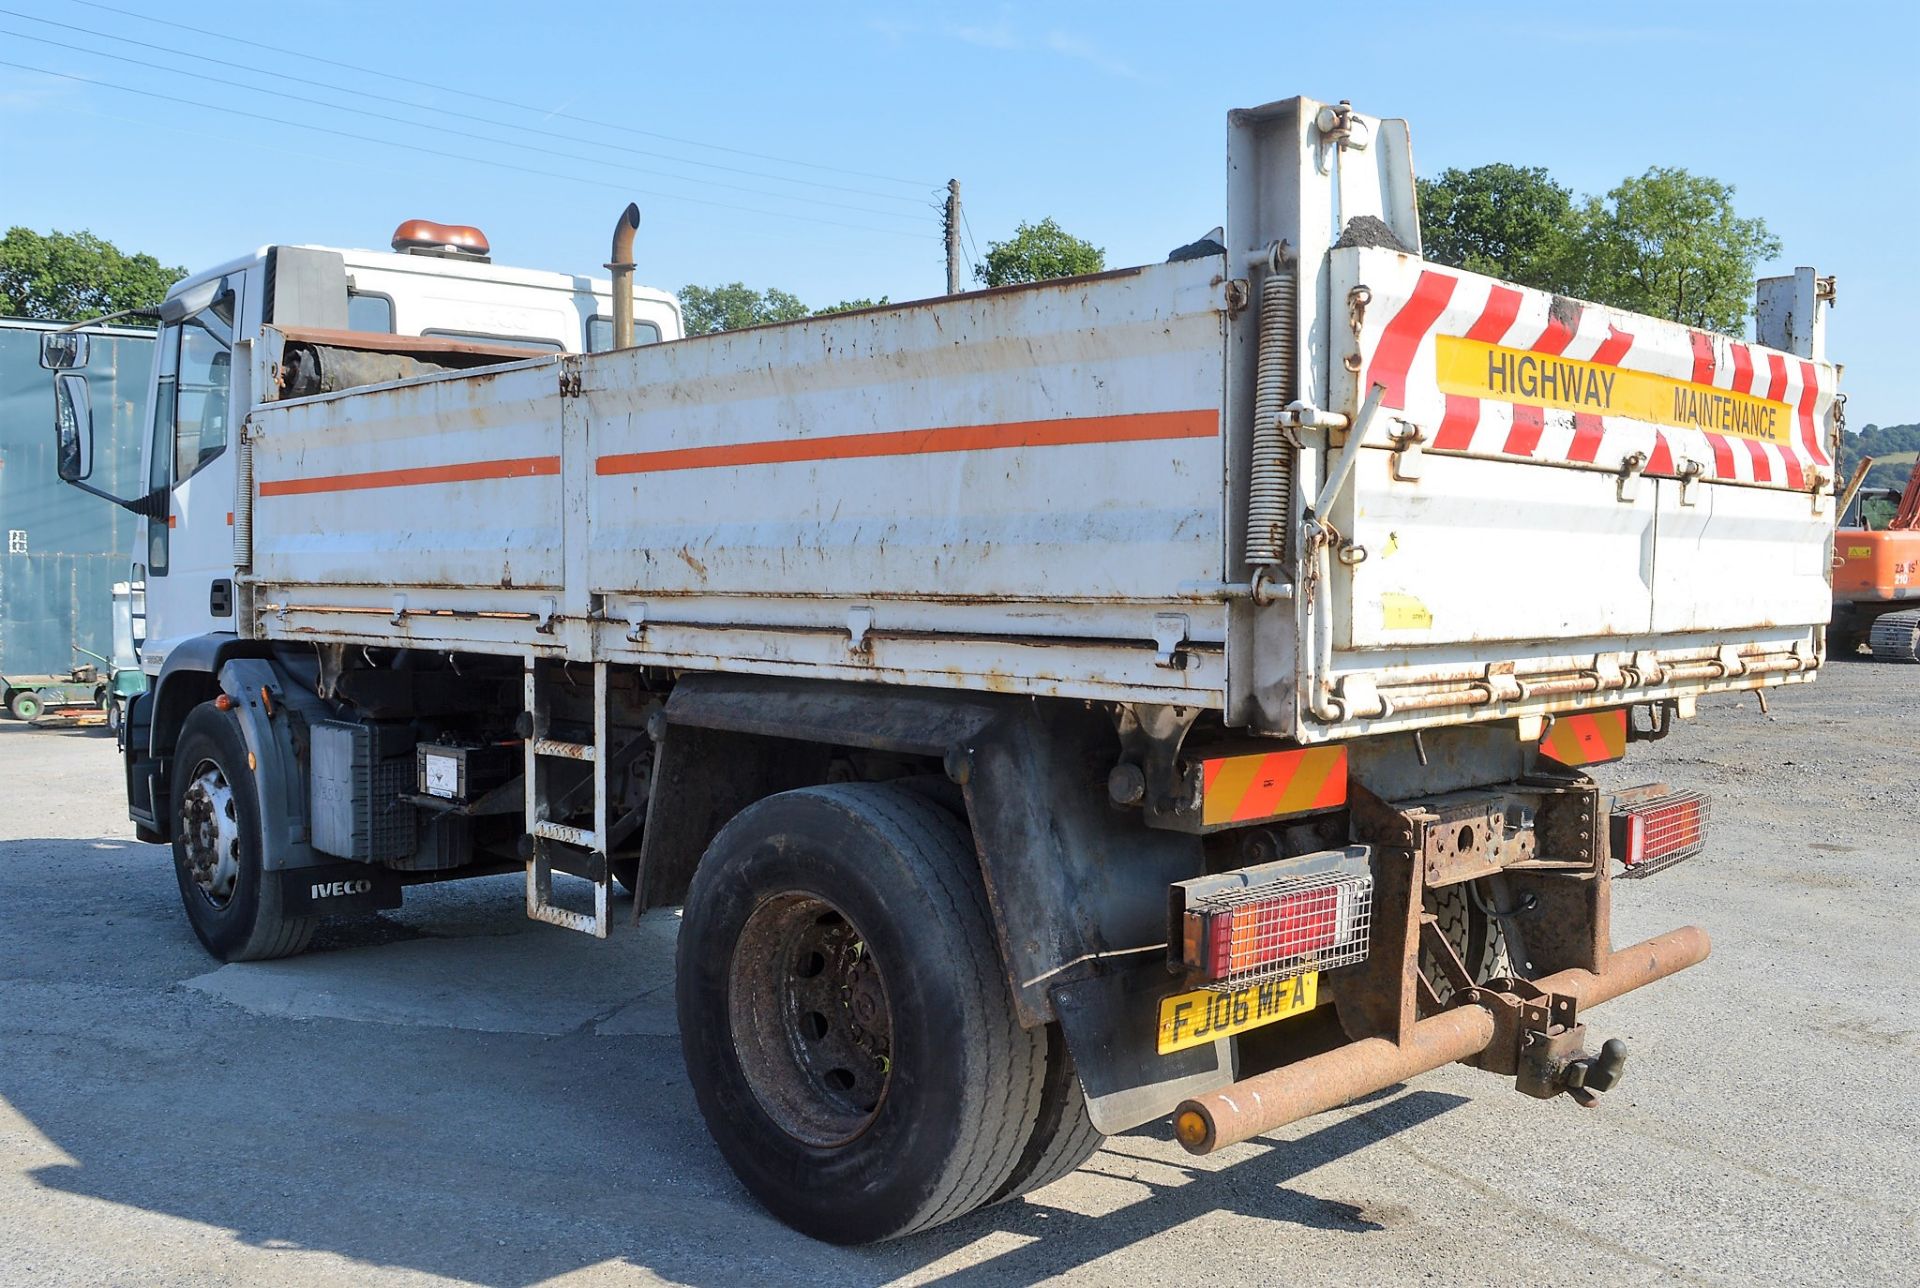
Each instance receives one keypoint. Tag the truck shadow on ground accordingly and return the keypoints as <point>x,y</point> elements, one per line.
<point>506,1156</point>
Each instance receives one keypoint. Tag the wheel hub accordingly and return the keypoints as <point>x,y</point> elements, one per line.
<point>811,1022</point>
<point>210,834</point>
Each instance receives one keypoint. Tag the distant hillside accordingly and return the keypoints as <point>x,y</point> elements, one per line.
<point>1892,447</point>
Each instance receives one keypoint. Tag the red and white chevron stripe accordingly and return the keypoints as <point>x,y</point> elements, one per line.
<point>1406,315</point>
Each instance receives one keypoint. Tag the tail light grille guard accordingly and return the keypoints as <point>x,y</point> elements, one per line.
<point>1277,920</point>
<point>1654,828</point>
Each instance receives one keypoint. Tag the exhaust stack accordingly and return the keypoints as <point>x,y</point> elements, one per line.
<point>622,267</point>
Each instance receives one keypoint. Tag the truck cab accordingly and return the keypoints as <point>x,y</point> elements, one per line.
<point>438,282</point>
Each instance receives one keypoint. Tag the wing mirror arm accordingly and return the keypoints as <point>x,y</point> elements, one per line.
<point>151,506</point>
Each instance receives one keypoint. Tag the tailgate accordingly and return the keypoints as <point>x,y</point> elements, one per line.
<point>1609,501</point>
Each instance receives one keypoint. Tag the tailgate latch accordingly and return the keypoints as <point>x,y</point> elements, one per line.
<point>1169,634</point>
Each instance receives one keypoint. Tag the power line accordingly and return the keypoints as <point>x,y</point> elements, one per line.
<point>445,155</point>
<point>250,69</point>
<point>797,237</point>
<point>502,102</point>
<point>483,138</point>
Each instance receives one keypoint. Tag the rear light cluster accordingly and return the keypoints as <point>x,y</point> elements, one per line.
<point>1277,927</point>
<point>1651,833</point>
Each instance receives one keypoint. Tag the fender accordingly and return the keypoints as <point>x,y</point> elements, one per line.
<point>274,721</point>
<point>186,679</point>
<point>1077,888</point>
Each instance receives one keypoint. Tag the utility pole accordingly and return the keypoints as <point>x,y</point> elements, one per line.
<point>953,236</point>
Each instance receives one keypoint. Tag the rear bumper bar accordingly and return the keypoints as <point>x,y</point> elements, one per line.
<point>1273,1099</point>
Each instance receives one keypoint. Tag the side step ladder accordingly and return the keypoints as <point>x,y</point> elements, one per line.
<point>587,849</point>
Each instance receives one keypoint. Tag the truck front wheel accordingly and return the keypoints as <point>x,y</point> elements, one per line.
<point>232,901</point>
<point>845,1020</point>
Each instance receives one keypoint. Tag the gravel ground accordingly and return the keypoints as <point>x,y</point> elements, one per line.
<point>453,1094</point>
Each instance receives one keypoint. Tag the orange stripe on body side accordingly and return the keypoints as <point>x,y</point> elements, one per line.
<point>1588,738</point>
<point>464,472</point>
<point>1247,789</point>
<point>1141,427</point>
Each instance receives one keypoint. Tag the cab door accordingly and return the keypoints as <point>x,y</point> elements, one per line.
<point>189,548</point>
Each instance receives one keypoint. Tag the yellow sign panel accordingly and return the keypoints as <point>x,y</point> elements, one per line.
<point>1476,369</point>
<point>1859,552</point>
<point>1196,1018</point>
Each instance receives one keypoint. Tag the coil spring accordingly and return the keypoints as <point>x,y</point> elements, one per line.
<point>1270,492</point>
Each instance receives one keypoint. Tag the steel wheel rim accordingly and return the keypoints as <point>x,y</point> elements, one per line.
<point>210,834</point>
<point>811,1022</point>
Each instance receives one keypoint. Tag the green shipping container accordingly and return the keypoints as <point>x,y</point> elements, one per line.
<point>63,549</point>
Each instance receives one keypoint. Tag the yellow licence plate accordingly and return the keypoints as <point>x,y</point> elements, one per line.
<point>1193,1019</point>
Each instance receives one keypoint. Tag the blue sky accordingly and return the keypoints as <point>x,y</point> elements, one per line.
<point>802,146</point>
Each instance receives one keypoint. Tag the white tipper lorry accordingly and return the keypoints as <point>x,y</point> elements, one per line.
<point>1054,708</point>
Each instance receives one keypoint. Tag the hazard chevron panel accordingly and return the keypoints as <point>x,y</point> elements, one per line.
<point>1486,369</point>
<point>1590,738</point>
<point>1274,784</point>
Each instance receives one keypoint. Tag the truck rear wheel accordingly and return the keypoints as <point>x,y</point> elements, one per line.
<point>1477,939</point>
<point>232,902</point>
<point>844,1017</point>
<point>1063,1136</point>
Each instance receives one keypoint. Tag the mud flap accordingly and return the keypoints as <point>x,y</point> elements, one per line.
<point>1110,1023</point>
<point>333,888</point>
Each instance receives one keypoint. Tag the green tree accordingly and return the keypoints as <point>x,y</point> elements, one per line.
<point>1669,243</point>
<point>1506,221</point>
<point>709,309</point>
<point>849,306</point>
<point>1893,448</point>
<point>64,277</point>
<point>1037,252</point>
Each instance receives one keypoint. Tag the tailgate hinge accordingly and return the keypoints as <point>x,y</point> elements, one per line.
<point>1689,475</point>
<point>1407,455</point>
<point>1630,469</point>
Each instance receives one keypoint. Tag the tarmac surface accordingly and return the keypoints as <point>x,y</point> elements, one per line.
<point>451,1093</point>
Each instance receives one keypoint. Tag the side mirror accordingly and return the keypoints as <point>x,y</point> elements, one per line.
<point>64,350</point>
<point>73,426</point>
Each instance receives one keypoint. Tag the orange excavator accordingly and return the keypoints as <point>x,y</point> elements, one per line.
<point>1876,573</point>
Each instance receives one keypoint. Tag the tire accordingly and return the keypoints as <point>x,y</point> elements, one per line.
<point>1063,1136</point>
<point>1846,633</point>
<point>844,1016</point>
<point>626,872</point>
<point>231,905</point>
<point>1477,939</point>
<point>114,716</point>
<point>26,705</point>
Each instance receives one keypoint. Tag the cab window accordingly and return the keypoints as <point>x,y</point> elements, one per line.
<point>203,386</point>
<point>600,334</point>
<point>369,312</point>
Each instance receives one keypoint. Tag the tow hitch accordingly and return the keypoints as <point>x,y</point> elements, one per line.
<point>1546,1069</point>
<point>1538,1040</point>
